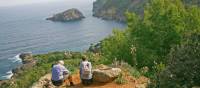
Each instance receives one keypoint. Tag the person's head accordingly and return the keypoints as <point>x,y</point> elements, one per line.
<point>61,62</point>
<point>84,58</point>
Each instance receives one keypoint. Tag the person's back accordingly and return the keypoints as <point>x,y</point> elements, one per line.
<point>86,71</point>
<point>59,74</point>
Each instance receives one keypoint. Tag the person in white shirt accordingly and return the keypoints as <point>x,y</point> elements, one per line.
<point>85,71</point>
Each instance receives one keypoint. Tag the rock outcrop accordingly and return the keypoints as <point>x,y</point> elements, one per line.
<point>44,82</point>
<point>106,74</point>
<point>26,57</point>
<point>27,62</point>
<point>68,15</point>
<point>115,9</point>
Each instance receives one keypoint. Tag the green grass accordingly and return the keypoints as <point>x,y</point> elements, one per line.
<point>120,80</point>
<point>44,63</point>
<point>43,66</point>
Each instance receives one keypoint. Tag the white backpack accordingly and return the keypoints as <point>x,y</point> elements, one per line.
<point>86,68</point>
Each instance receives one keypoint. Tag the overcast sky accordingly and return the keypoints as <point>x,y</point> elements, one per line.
<point>22,2</point>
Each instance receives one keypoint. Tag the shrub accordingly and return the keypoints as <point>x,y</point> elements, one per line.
<point>120,80</point>
<point>184,65</point>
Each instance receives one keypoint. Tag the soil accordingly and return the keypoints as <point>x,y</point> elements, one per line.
<point>132,82</point>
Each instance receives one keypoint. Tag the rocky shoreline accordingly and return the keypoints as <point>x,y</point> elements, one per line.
<point>27,62</point>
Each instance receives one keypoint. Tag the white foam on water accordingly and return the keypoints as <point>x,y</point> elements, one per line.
<point>9,72</point>
<point>8,75</point>
<point>16,58</point>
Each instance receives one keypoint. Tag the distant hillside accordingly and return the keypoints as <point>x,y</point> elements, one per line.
<point>192,2</point>
<point>115,9</point>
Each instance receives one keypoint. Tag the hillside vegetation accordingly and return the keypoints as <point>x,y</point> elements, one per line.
<point>115,9</point>
<point>162,41</point>
<point>163,45</point>
<point>43,66</point>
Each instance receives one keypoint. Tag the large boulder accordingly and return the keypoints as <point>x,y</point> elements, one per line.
<point>106,74</point>
<point>68,15</point>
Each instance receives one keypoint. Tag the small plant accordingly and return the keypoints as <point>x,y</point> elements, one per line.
<point>135,73</point>
<point>120,80</point>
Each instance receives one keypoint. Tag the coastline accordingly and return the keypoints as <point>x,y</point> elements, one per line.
<point>31,71</point>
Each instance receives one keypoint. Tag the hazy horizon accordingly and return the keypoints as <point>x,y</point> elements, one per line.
<point>10,3</point>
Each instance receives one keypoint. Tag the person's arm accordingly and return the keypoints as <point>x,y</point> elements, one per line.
<point>65,70</point>
<point>80,68</point>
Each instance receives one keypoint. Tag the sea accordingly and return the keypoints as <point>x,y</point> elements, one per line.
<point>23,28</point>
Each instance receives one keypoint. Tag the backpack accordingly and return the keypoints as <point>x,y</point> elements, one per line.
<point>86,68</point>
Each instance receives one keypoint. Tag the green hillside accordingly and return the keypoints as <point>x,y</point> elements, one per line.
<point>115,9</point>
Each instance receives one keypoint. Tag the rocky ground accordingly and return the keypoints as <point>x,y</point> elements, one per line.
<point>132,82</point>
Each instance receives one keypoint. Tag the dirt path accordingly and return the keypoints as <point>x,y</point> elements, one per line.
<point>132,83</point>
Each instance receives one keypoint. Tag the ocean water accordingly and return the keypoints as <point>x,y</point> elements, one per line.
<point>24,29</point>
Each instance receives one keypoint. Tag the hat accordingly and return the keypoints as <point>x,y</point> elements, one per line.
<point>61,62</point>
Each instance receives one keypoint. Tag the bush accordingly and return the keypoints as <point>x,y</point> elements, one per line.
<point>184,65</point>
<point>120,80</point>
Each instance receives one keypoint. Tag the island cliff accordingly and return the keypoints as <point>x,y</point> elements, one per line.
<point>68,15</point>
<point>115,9</point>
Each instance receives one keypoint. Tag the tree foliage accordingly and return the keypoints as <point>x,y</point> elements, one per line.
<point>163,26</point>
<point>184,65</point>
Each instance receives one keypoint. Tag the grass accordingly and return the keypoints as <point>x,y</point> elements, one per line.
<point>121,80</point>
<point>44,63</point>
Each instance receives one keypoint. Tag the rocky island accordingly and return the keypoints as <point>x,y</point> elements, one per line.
<point>68,15</point>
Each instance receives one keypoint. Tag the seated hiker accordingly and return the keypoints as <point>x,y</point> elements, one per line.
<point>86,71</point>
<point>60,74</point>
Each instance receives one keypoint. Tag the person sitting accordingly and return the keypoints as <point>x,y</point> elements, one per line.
<point>85,71</point>
<point>60,74</point>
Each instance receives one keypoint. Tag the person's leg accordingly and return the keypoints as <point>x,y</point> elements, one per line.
<point>90,81</point>
<point>83,81</point>
<point>57,83</point>
<point>87,82</point>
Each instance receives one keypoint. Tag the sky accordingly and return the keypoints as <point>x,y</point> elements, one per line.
<point>22,2</point>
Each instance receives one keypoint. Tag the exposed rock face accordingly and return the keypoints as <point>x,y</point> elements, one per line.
<point>28,62</point>
<point>26,57</point>
<point>44,82</point>
<point>68,15</point>
<point>115,9</point>
<point>106,74</point>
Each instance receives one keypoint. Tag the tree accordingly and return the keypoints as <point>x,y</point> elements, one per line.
<point>184,65</point>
